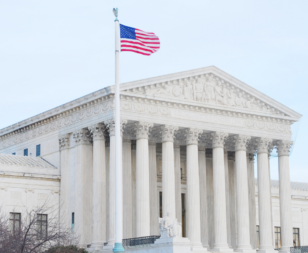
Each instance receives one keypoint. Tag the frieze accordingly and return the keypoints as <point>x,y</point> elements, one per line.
<point>70,117</point>
<point>207,89</point>
<point>149,107</point>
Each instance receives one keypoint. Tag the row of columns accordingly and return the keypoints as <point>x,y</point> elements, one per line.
<point>197,198</point>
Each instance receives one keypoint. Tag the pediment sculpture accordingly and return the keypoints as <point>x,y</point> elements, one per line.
<point>207,89</point>
<point>169,227</point>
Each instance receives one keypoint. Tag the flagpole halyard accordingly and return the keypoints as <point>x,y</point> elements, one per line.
<point>118,247</point>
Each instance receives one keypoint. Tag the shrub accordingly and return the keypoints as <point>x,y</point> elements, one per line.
<point>66,249</point>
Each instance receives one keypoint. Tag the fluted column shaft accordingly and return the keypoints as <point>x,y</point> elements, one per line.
<point>111,192</point>
<point>178,184</point>
<point>83,186</point>
<point>220,222</point>
<point>252,199</point>
<point>232,199</point>
<point>193,189</point>
<point>242,203</point>
<point>203,196</point>
<point>142,180</point>
<point>168,175</point>
<point>285,196</point>
<point>228,219</point>
<point>264,196</point>
<point>64,143</point>
<point>154,214</point>
<point>99,199</point>
<point>127,189</point>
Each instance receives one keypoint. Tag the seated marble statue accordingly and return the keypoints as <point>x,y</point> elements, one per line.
<point>169,227</point>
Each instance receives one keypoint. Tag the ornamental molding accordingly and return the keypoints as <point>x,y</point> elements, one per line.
<point>241,142</point>
<point>218,139</point>
<point>65,119</point>
<point>208,89</point>
<point>97,131</point>
<point>64,141</point>
<point>192,136</point>
<point>82,137</point>
<point>168,133</point>
<point>110,125</point>
<point>142,130</point>
<point>264,145</point>
<point>169,109</point>
<point>283,147</point>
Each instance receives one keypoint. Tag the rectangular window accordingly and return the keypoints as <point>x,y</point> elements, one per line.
<point>38,150</point>
<point>15,220</point>
<point>258,237</point>
<point>73,222</point>
<point>296,241</point>
<point>42,226</point>
<point>26,152</point>
<point>14,153</point>
<point>277,238</point>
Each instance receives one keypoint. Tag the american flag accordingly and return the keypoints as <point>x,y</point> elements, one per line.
<point>138,41</point>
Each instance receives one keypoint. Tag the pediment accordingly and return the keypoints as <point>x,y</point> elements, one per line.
<point>209,87</point>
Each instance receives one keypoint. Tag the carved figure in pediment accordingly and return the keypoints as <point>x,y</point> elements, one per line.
<point>164,89</point>
<point>239,100</point>
<point>220,94</point>
<point>188,91</point>
<point>199,94</point>
<point>230,98</point>
<point>177,90</point>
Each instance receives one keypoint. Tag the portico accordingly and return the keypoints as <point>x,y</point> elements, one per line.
<point>189,142</point>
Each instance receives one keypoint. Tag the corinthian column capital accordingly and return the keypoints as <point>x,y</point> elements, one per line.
<point>97,131</point>
<point>283,147</point>
<point>218,139</point>
<point>192,136</point>
<point>110,125</point>
<point>142,130</point>
<point>263,145</point>
<point>168,133</point>
<point>241,142</point>
<point>82,136</point>
<point>64,141</point>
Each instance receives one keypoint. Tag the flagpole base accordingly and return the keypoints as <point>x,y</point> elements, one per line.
<point>118,247</point>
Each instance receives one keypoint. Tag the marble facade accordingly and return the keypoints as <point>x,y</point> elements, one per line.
<point>191,137</point>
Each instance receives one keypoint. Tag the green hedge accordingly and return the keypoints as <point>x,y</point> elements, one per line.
<point>66,249</point>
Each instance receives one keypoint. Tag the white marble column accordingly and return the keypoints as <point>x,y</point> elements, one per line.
<point>203,196</point>
<point>64,145</point>
<point>178,183</point>
<point>252,197</point>
<point>283,148</point>
<point>142,180</point>
<point>83,186</point>
<point>193,190</point>
<point>228,219</point>
<point>99,187</point>
<point>232,198</point>
<point>242,200</point>
<point>264,196</point>
<point>134,187</point>
<point>220,222</point>
<point>168,174</point>
<point>210,197</point>
<point>127,189</point>
<point>111,186</point>
<point>154,215</point>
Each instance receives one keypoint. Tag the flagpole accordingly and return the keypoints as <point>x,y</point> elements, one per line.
<point>118,247</point>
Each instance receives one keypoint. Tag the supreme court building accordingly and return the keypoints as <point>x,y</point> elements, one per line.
<point>192,142</point>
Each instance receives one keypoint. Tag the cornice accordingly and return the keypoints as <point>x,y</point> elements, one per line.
<point>65,118</point>
<point>68,108</point>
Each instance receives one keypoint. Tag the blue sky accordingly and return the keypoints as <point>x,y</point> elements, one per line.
<point>55,51</point>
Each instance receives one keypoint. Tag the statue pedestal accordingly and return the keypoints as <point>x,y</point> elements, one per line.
<point>172,245</point>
